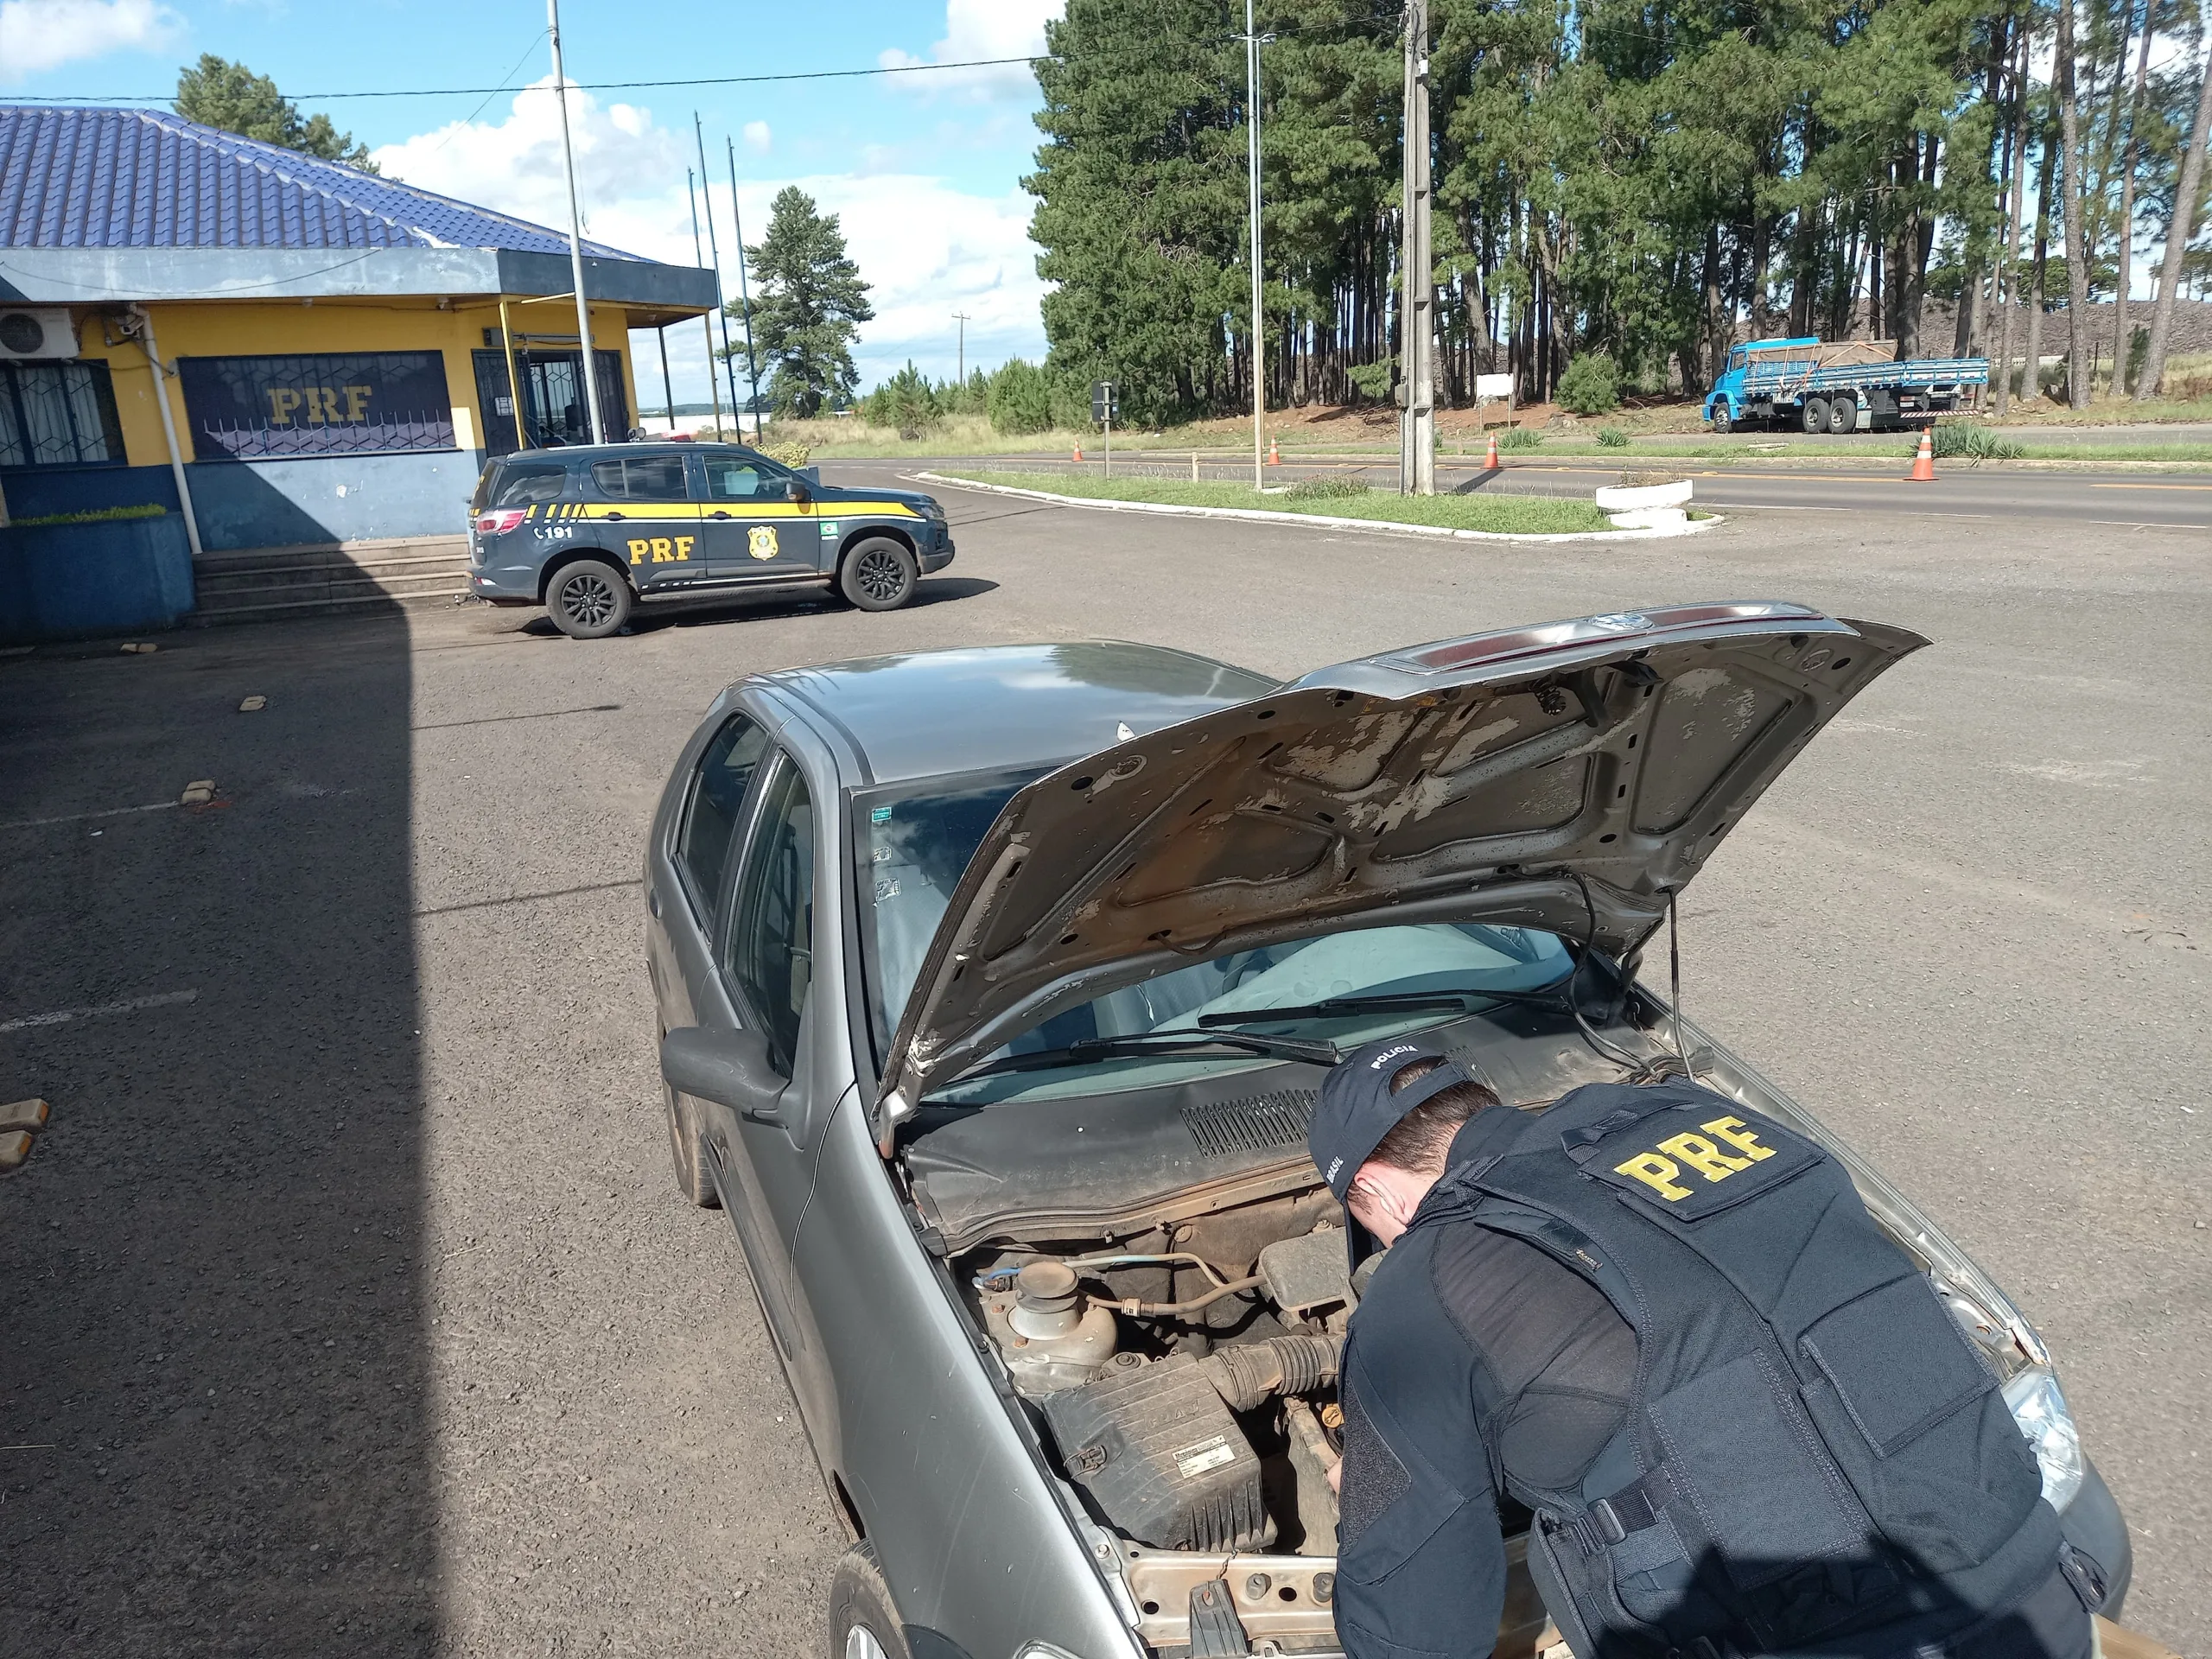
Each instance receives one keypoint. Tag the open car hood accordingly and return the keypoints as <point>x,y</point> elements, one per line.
<point>1568,776</point>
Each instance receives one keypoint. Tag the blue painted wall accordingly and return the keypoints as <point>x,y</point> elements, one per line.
<point>244,504</point>
<point>81,582</point>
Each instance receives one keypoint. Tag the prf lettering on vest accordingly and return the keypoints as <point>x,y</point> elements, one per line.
<point>1659,1169</point>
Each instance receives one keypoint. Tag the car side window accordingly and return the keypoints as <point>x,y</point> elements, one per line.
<point>710,816</point>
<point>648,477</point>
<point>525,487</point>
<point>769,954</point>
<point>737,479</point>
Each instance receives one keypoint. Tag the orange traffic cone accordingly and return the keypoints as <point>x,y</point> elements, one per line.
<point>1275,455</point>
<point>1078,449</point>
<point>1923,464</point>
<point>1489,455</point>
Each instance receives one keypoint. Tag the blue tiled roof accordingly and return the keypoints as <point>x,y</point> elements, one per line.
<point>126,178</point>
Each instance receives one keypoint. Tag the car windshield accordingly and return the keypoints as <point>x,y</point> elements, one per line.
<point>1345,988</point>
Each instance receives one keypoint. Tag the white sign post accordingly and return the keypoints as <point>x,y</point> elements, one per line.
<point>1488,387</point>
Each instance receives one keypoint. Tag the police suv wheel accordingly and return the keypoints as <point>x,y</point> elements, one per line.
<point>588,600</point>
<point>863,1625</point>
<point>878,575</point>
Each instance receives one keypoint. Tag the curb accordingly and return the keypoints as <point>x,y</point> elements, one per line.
<point>1382,526</point>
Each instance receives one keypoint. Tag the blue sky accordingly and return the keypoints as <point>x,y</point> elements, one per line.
<point>924,169</point>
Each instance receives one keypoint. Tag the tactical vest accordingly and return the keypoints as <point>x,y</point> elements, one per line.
<point>1812,1448</point>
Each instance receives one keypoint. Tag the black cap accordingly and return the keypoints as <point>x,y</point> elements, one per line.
<point>1357,1107</point>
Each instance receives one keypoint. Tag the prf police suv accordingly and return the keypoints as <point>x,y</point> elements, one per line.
<point>587,533</point>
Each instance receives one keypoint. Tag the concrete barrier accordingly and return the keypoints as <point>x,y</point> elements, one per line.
<point>1650,506</point>
<point>84,581</point>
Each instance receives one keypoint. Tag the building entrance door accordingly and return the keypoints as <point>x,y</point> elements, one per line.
<point>554,412</point>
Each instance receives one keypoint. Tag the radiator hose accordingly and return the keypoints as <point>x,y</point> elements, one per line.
<point>1250,1372</point>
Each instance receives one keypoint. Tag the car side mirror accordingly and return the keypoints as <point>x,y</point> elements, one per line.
<point>795,489</point>
<point>729,1068</point>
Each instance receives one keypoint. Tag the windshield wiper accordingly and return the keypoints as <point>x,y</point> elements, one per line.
<point>1315,1051</point>
<point>1550,996</point>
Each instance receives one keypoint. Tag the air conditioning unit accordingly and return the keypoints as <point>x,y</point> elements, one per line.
<point>42,334</point>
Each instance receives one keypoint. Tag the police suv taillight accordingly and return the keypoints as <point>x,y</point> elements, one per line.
<point>500,520</point>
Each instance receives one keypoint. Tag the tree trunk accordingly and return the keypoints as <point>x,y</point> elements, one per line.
<point>2121,341</point>
<point>2077,257</point>
<point>1716,348</point>
<point>2182,225</point>
<point>2007,294</point>
<point>2031,372</point>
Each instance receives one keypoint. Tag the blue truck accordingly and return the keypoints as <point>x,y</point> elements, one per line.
<point>1813,385</point>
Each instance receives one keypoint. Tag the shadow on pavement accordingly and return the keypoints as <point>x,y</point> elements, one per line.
<point>211,1267</point>
<point>766,606</point>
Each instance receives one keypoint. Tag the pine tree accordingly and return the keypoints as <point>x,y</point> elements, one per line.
<point>216,93</point>
<point>809,301</point>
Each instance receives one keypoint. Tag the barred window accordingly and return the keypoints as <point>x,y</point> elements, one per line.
<point>323,403</point>
<point>58,414</point>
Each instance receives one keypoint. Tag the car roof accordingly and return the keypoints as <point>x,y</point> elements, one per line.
<point>941,713</point>
<point>629,451</point>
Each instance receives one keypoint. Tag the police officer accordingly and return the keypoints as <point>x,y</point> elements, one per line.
<point>1666,1325</point>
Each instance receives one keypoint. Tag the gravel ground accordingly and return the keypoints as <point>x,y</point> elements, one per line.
<point>349,1306</point>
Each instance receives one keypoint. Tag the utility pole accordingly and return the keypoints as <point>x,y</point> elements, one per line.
<point>714,392</point>
<point>1252,39</point>
<point>1416,284</point>
<point>744,294</point>
<point>575,231</point>
<point>960,375</point>
<point>729,357</point>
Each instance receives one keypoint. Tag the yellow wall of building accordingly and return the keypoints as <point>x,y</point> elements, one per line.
<point>246,327</point>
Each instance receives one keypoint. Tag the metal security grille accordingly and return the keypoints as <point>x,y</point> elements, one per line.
<point>320,404</point>
<point>58,414</point>
<point>1262,1124</point>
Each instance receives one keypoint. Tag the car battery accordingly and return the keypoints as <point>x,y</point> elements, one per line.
<point>1161,1456</point>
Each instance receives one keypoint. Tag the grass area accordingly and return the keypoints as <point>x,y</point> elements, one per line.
<point>1752,447</point>
<point>95,515</point>
<point>1517,515</point>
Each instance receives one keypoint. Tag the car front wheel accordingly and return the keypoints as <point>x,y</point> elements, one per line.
<point>588,600</point>
<point>692,1178</point>
<point>863,1625</point>
<point>878,575</point>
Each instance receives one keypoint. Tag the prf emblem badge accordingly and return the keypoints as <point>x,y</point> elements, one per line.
<point>761,543</point>
<point>1697,1170</point>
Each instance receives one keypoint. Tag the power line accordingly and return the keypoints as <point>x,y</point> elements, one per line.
<point>580,86</point>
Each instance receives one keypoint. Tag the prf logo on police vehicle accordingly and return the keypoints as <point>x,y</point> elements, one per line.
<point>760,542</point>
<point>1693,1171</point>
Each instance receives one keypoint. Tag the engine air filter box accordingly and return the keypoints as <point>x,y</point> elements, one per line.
<point>1161,1457</point>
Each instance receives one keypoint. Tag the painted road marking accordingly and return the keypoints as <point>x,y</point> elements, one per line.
<point>2151,486</point>
<point>79,818</point>
<point>64,1016</point>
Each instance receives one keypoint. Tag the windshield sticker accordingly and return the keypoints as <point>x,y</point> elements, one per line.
<point>881,815</point>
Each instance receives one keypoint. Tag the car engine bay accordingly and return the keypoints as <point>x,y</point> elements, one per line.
<point>1167,1285</point>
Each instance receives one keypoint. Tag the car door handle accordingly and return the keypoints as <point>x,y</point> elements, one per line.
<point>718,513</point>
<point>652,900</point>
<point>614,515</point>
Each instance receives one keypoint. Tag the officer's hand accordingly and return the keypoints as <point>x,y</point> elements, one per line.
<point>1336,1476</point>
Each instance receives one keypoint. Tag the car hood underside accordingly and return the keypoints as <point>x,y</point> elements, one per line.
<point>1572,776</point>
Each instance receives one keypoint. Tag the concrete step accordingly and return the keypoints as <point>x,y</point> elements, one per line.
<point>269,583</point>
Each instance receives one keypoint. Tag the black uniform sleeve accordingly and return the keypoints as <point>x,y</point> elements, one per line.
<point>1420,1564</point>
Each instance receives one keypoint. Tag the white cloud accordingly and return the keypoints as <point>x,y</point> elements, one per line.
<point>37,35</point>
<point>927,249</point>
<point>982,29</point>
<point>758,137</point>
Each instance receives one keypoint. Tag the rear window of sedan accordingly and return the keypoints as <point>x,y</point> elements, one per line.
<point>528,485</point>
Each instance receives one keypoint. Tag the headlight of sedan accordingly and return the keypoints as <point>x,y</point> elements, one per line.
<point>2039,1408</point>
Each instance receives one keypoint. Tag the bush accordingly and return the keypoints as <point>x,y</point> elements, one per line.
<point>1327,486</point>
<point>1611,437</point>
<point>1591,385</point>
<point>791,453</point>
<point>906,401</point>
<point>1019,399</point>
<point>95,515</point>
<point>1971,441</point>
<point>1374,380</point>
<point>1519,438</point>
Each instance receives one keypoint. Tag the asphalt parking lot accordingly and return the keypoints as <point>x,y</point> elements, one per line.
<point>349,1306</point>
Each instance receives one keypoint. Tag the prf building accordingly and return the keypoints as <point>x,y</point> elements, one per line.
<point>334,349</point>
